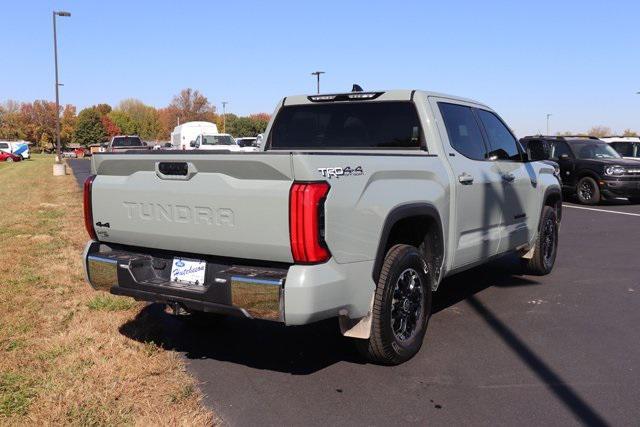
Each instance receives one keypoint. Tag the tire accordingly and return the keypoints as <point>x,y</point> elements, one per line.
<point>546,246</point>
<point>588,191</point>
<point>394,340</point>
<point>9,160</point>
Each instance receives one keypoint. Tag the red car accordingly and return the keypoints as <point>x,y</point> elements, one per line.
<point>8,157</point>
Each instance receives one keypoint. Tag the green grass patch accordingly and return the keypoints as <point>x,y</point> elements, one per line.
<point>16,393</point>
<point>110,303</point>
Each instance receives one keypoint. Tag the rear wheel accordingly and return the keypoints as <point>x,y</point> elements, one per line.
<point>587,191</point>
<point>546,246</point>
<point>401,308</point>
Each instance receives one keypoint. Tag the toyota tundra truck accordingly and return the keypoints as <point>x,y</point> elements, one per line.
<point>356,207</point>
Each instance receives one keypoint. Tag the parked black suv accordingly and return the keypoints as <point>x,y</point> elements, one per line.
<point>590,168</point>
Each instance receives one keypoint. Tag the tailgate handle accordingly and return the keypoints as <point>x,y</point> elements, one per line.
<point>173,168</point>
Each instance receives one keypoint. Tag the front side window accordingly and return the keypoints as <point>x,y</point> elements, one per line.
<point>462,127</point>
<point>503,145</point>
<point>4,145</point>
<point>347,125</point>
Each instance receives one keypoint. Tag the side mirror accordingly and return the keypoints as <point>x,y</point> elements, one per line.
<point>192,144</point>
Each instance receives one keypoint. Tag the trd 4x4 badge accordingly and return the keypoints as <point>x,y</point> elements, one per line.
<point>338,172</point>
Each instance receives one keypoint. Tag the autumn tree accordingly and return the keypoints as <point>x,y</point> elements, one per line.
<point>10,121</point>
<point>38,122</point>
<point>67,125</point>
<point>629,132</point>
<point>599,131</point>
<point>89,127</point>
<point>190,105</point>
<point>135,117</point>
<point>109,126</point>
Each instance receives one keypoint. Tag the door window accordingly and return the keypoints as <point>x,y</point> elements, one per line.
<point>462,127</point>
<point>558,148</point>
<point>503,145</point>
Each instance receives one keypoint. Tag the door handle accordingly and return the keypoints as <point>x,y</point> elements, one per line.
<point>465,178</point>
<point>507,177</point>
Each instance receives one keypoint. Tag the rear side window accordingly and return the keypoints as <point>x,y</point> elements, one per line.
<point>4,145</point>
<point>503,145</point>
<point>558,148</point>
<point>464,134</point>
<point>349,125</point>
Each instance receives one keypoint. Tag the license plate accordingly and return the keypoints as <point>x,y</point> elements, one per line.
<point>188,271</point>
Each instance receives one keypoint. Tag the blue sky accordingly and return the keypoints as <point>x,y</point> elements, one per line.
<point>578,60</point>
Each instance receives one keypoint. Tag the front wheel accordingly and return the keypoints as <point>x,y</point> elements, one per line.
<point>9,160</point>
<point>546,246</point>
<point>401,308</point>
<point>588,191</point>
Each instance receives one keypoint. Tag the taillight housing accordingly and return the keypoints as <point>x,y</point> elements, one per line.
<point>306,222</point>
<point>88,212</point>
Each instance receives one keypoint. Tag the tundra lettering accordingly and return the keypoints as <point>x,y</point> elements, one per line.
<point>148,211</point>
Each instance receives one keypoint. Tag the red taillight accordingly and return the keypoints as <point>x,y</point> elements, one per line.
<point>306,222</point>
<point>88,212</point>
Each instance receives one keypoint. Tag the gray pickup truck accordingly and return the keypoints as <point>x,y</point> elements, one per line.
<point>357,207</point>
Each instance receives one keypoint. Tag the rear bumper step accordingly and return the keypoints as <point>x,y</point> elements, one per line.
<point>254,292</point>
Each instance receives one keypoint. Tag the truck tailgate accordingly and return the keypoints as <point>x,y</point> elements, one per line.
<point>232,205</point>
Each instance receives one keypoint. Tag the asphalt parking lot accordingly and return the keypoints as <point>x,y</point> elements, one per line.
<point>501,348</point>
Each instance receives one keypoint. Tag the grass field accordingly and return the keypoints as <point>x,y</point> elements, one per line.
<point>62,357</point>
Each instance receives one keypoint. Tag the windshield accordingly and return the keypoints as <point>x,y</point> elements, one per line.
<point>364,125</point>
<point>590,150</point>
<point>127,141</point>
<point>217,140</point>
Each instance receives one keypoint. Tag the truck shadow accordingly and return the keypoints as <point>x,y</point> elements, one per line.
<point>299,350</point>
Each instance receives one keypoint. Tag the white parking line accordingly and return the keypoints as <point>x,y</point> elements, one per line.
<point>600,210</point>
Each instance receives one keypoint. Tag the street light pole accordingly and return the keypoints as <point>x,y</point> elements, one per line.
<point>55,59</point>
<point>317,74</point>
<point>548,115</point>
<point>224,116</point>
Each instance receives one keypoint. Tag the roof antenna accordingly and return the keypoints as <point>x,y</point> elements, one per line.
<point>356,88</point>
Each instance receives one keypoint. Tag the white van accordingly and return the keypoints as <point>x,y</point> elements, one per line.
<point>19,148</point>
<point>184,134</point>
<point>627,146</point>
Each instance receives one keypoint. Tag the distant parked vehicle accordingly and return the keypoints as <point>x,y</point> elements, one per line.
<point>9,157</point>
<point>247,141</point>
<point>70,154</point>
<point>590,168</point>
<point>627,146</point>
<point>218,141</point>
<point>19,148</point>
<point>121,143</point>
<point>183,135</point>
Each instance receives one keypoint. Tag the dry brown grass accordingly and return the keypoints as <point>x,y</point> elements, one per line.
<point>62,358</point>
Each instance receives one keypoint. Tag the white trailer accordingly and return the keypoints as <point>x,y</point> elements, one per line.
<point>184,134</point>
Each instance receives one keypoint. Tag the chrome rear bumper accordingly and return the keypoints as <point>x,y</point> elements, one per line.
<point>254,292</point>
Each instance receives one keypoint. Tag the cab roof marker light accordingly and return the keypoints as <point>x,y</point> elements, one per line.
<point>361,95</point>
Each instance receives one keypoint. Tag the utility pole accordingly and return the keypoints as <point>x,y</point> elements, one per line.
<point>55,59</point>
<point>317,74</point>
<point>548,115</point>
<point>224,116</point>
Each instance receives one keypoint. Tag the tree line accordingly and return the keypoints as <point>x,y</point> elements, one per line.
<point>36,121</point>
<point>599,132</point>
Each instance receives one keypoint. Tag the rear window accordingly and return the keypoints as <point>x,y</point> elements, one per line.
<point>352,125</point>
<point>127,141</point>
